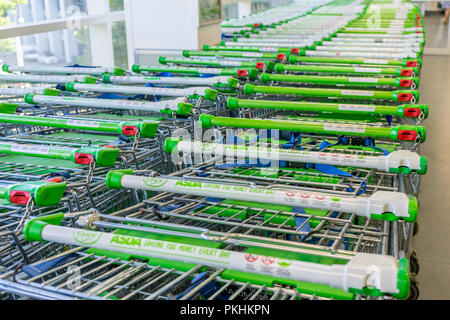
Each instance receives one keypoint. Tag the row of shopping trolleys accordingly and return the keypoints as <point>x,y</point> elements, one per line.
<point>281,164</point>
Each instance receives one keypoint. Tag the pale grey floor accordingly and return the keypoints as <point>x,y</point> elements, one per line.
<point>432,241</point>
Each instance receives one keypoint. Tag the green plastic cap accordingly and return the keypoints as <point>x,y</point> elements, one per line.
<point>205,47</point>
<point>279,68</point>
<point>265,78</point>
<point>136,68</point>
<point>32,230</point>
<point>170,144</point>
<point>8,108</point>
<point>114,178</point>
<point>211,94</point>
<point>51,92</point>
<point>232,103</point>
<point>90,80</point>
<point>186,54</point>
<point>205,121</point>
<point>148,128</point>
<point>253,73</point>
<point>248,89</point>
<point>5,68</point>
<point>29,98</point>
<point>118,72</point>
<point>184,109</point>
<point>413,209</point>
<point>70,86</point>
<point>106,157</point>
<point>403,279</point>
<point>49,194</point>
<point>270,65</point>
<point>162,60</point>
<point>233,83</point>
<point>423,165</point>
<point>106,78</point>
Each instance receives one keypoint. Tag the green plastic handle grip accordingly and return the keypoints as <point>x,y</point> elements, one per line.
<point>396,133</point>
<point>43,193</point>
<point>128,128</point>
<point>103,156</point>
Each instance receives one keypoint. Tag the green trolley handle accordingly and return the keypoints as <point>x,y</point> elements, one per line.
<point>128,128</point>
<point>236,54</point>
<point>396,133</point>
<point>261,65</point>
<point>340,80</point>
<point>103,156</point>
<point>42,193</point>
<point>399,72</point>
<point>405,110</point>
<point>237,72</point>
<point>266,49</point>
<point>392,276</point>
<point>411,96</point>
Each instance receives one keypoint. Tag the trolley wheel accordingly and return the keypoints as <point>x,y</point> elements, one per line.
<point>415,228</point>
<point>414,266</point>
<point>414,291</point>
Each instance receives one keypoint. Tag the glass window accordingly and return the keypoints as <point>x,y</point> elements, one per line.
<point>119,36</point>
<point>209,11</point>
<point>116,5</point>
<point>230,11</point>
<point>56,48</point>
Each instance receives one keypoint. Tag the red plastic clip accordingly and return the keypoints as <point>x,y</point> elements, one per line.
<point>83,158</point>
<point>407,135</point>
<point>256,25</point>
<point>55,179</point>
<point>412,112</point>
<point>411,64</point>
<point>281,56</point>
<point>406,72</point>
<point>19,197</point>
<point>405,96</point>
<point>129,130</point>
<point>406,83</point>
<point>242,73</point>
<point>260,65</point>
<point>295,50</point>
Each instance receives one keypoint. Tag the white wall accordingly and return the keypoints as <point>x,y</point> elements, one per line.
<point>168,24</point>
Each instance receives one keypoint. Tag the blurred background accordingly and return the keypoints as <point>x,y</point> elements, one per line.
<point>122,32</point>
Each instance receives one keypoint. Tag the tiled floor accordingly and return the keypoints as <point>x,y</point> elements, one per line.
<point>432,242</point>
